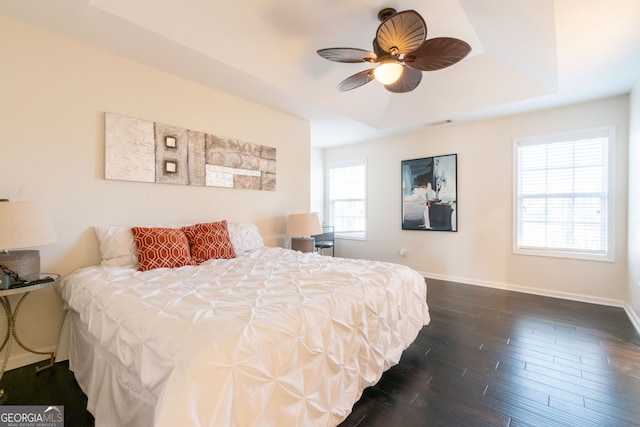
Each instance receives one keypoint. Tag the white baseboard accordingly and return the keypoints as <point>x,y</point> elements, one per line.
<point>633,317</point>
<point>24,359</point>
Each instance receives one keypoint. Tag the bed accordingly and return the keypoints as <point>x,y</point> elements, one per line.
<point>266,337</point>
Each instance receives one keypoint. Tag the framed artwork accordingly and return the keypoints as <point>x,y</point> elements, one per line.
<point>141,150</point>
<point>429,193</point>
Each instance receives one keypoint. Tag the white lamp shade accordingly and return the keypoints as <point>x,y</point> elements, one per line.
<point>25,224</point>
<point>305,224</point>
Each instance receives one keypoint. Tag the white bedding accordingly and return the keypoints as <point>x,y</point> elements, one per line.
<point>271,338</point>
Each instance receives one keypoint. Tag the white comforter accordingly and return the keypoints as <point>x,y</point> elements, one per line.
<point>271,338</point>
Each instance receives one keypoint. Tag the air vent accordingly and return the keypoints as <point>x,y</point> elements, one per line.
<point>440,123</point>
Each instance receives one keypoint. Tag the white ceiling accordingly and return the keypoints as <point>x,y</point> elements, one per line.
<point>526,54</point>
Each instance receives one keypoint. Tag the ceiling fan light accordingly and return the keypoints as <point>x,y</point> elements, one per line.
<point>388,72</point>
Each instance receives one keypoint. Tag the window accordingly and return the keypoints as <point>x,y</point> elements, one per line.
<point>347,199</point>
<point>562,201</point>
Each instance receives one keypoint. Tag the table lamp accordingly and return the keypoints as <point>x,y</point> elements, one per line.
<point>23,225</point>
<point>301,227</point>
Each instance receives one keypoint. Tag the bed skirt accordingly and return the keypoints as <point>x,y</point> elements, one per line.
<point>103,379</point>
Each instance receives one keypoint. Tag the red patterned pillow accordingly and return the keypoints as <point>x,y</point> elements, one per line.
<point>159,247</point>
<point>210,240</point>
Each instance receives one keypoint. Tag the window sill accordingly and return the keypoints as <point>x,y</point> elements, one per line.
<point>565,254</point>
<point>350,237</point>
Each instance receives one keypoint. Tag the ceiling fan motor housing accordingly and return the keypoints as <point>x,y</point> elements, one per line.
<point>386,13</point>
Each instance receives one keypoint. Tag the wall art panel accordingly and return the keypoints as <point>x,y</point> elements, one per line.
<point>140,150</point>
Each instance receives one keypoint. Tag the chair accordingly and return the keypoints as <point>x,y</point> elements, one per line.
<point>325,240</point>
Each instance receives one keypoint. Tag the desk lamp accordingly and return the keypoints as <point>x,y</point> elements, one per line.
<point>301,227</point>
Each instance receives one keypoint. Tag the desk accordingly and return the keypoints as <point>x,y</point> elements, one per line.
<point>11,322</point>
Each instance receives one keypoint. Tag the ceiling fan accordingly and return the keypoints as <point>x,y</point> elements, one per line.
<point>402,52</point>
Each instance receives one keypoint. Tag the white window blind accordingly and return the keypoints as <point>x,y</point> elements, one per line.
<point>347,199</point>
<point>562,194</point>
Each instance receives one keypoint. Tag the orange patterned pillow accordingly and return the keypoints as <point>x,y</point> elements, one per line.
<point>209,241</point>
<point>159,247</point>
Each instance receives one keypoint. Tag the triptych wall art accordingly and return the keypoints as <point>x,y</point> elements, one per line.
<point>429,193</point>
<point>140,150</point>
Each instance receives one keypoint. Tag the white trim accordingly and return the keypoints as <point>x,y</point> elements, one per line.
<point>25,359</point>
<point>348,237</point>
<point>529,290</point>
<point>565,254</point>
<point>633,316</point>
<point>608,131</point>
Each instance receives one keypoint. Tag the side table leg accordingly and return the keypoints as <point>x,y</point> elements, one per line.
<point>7,341</point>
<point>51,354</point>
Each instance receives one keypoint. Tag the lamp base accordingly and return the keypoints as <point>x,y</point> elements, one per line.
<point>25,263</point>
<point>303,244</point>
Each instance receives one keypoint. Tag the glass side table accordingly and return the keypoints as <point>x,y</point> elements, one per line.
<point>11,321</point>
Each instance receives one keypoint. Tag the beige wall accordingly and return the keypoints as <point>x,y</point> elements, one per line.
<point>317,182</point>
<point>53,95</point>
<point>634,205</point>
<point>481,251</point>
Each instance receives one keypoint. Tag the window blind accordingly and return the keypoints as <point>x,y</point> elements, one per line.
<point>562,193</point>
<point>347,199</point>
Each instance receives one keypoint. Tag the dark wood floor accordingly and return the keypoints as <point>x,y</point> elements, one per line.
<point>493,357</point>
<point>488,357</point>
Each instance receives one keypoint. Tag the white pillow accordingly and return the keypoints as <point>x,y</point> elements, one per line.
<point>118,248</point>
<point>244,236</point>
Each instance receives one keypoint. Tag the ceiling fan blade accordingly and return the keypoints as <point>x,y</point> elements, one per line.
<point>437,53</point>
<point>408,81</point>
<point>405,31</point>
<point>357,80</point>
<point>348,54</point>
